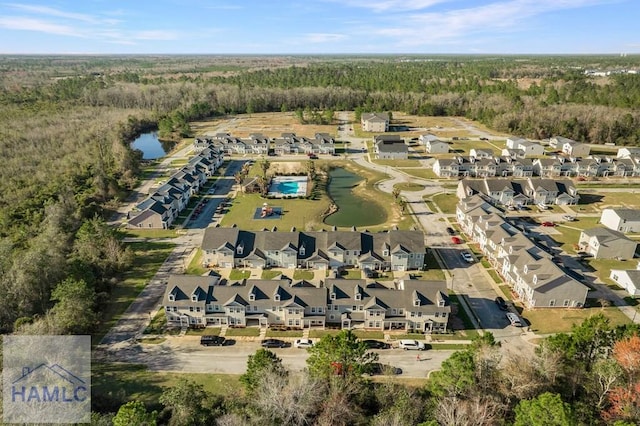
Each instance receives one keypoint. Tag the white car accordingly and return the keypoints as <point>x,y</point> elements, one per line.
<point>514,319</point>
<point>411,345</point>
<point>569,218</point>
<point>467,257</point>
<point>303,343</point>
<point>543,206</point>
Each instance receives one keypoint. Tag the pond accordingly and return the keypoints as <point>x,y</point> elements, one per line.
<point>352,210</point>
<point>150,146</point>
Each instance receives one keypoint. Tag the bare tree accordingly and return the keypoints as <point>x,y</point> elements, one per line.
<point>291,400</point>
<point>478,410</point>
<point>522,378</point>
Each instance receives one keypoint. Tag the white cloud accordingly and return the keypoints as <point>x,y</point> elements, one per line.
<point>457,25</point>
<point>323,37</point>
<point>49,11</point>
<point>393,5</point>
<point>38,25</point>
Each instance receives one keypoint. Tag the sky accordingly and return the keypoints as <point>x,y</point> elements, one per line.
<point>319,27</point>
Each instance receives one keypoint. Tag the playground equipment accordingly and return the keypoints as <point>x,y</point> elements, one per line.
<point>266,210</point>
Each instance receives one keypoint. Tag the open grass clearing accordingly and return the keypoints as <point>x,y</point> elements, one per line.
<point>398,163</point>
<point>408,186</point>
<point>148,257</point>
<point>119,383</point>
<point>546,321</point>
<point>271,124</point>
<point>284,333</point>
<point>301,274</point>
<point>446,202</point>
<point>603,267</point>
<point>270,274</point>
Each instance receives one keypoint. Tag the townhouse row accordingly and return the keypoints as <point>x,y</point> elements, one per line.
<point>520,192</point>
<point>165,203</point>
<point>409,305</point>
<point>287,143</point>
<point>528,270</point>
<point>394,250</point>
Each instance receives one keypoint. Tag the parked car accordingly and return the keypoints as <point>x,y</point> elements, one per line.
<point>450,230</point>
<point>273,343</point>
<point>510,208</point>
<point>484,139</point>
<point>548,224</point>
<point>467,257</point>
<point>569,218</point>
<point>212,340</point>
<point>514,319</point>
<point>377,368</point>
<point>375,344</point>
<point>501,303</point>
<point>411,345</point>
<point>456,240</point>
<point>542,206</point>
<point>303,343</point>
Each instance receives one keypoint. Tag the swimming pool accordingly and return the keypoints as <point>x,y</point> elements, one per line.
<point>293,186</point>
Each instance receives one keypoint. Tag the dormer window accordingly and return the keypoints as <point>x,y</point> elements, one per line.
<point>441,303</point>
<point>535,279</point>
<point>252,297</point>
<point>416,302</point>
<point>194,298</point>
<point>172,298</point>
<point>239,249</point>
<point>526,269</point>
<point>332,296</point>
<point>302,251</point>
<point>276,297</point>
<point>358,296</point>
<point>385,252</point>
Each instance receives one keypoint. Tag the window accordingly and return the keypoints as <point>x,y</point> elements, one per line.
<point>197,308</point>
<point>385,252</point>
<point>331,316</point>
<point>360,307</point>
<point>190,308</point>
<point>302,250</point>
<point>416,302</point>
<point>437,314</point>
<point>400,311</point>
<point>252,297</point>
<point>358,296</point>
<point>332,296</point>
<point>444,314</point>
<point>194,298</point>
<point>552,302</point>
<point>566,303</point>
<point>313,310</point>
<point>615,277</point>
<point>239,249</point>
<point>255,308</point>
<point>172,298</point>
<point>276,297</point>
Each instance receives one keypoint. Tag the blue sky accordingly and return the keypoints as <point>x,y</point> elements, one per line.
<point>319,26</point>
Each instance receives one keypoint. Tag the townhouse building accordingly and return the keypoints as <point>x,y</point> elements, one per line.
<point>514,192</point>
<point>410,305</point>
<point>164,204</point>
<point>528,270</point>
<point>605,243</point>
<point>623,220</point>
<point>390,147</point>
<point>395,250</point>
<point>375,122</point>
<point>526,147</point>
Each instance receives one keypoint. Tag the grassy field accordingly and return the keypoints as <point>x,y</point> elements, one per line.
<point>408,186</point>
<point>419,172</point>
<point>594,201</point>
<point>397,163</point>
<point>569,232</point>
<point>118,383</point>
<point>544,321</point>
<point>603,267</point>
<point>271,124</point>
<point>148,258</point>
<point>446,202</point>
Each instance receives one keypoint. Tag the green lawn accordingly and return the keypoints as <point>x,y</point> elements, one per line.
<point>301,274</point>
<point>238,274</point>
<point>570,232</point>
<point>408,186</point>
<point>318,334</point>
<point>352,274</point>
<point>152,340</point>
<point>419,173</point>
<point>114,384</point>
<point>433,272</point>
<point>398,163</point>
<point>462,314</point>
<point>158,323</point>
<point>446,202</point>
<point>207,331</point>
<point>495,276</point>
<point>248,331</point>
<point>286,333</point>
<point>603,267</point>
<point>148,257</point>
<point>270,274</point>
<point>195,266</point>
<point>149,233</point>
<point>544,321</point>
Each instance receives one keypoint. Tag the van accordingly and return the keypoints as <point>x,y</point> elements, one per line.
<point>514,319</point>
<point>411,345</point>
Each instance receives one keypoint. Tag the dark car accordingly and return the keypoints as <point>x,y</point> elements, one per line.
<point>501,303</point>
<point>273,343</point>
<point>450,230</point>
<point>484,138</point>
<point>376,368</point>
<point>212,341</point>
<point>375,344</point>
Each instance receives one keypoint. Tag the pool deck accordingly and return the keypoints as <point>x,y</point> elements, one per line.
<point>302,182</point>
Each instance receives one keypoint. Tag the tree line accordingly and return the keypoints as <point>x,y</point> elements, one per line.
<point>590,376</point>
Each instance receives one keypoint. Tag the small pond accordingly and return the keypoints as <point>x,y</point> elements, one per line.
<point>150,146</point>
<point>352,210</point>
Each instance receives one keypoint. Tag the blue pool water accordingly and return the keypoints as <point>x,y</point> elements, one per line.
<point>287,188</point>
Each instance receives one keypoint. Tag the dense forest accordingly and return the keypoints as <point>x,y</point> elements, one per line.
<point>66,124</point>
